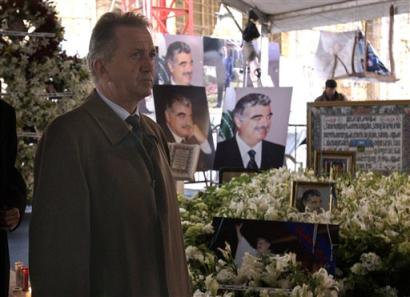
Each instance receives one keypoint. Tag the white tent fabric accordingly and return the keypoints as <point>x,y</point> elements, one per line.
<point>289,15</point>
<point>343,54</point>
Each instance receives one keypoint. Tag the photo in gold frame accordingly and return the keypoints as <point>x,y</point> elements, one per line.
<point>309,196</point>
<point>335,163</point>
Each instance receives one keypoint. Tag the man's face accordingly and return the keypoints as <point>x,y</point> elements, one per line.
<point>129,73</point>
<point>262,246</point>
<point>253,126</point>
<point>313,203</point>
<point>330,91</point>
<point>181,68</point>
<point>179,119</point>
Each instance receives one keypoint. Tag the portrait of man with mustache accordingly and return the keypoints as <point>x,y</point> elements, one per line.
<point>180,63</point>
<point>248,148</point>
<point>181,128</point>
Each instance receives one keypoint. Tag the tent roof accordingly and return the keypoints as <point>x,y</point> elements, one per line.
<point>288,15</point>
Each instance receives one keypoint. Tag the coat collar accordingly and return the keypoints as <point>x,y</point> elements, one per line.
<point>112,125</point>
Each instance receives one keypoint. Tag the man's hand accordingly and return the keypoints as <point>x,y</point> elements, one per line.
<point>9,218</point>
<point>198,134</point>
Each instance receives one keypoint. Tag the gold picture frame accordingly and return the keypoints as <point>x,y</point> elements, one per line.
<point>335,163</point>
<point>312,196</point>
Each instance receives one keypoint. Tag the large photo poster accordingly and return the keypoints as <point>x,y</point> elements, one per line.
<point>182,112</point>
<point>253,129</point>
<point>179,60</point>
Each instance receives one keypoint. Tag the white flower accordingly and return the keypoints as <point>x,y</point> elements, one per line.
<point>370,261</point>
<point>225,276</point>
<point>193,253</point>
<point>303,291</point>
<point>211,284</point>
<point>208,228</point>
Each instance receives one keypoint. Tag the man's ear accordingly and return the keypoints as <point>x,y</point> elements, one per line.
<point>237,121</point>
<point>170,67</point>
<point>100,69</point>
<point>167,119</point>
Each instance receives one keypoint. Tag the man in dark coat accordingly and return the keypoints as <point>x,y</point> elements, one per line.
<point>248,149</point>
<point>12,190</point>
<point>105,217</point>
<point>330,93</point>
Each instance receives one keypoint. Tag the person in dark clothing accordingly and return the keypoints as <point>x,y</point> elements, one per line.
<point>330,93</point>
<point>12,190</point>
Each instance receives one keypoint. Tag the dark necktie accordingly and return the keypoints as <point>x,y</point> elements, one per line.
<point>252,163</point>
<point>144,144</point>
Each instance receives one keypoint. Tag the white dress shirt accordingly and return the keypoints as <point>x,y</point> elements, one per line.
<point>244,149</point>
<point>119,110</point>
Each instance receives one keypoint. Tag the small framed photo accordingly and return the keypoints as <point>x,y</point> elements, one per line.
<point>313,196</point>
<point>335,163</point>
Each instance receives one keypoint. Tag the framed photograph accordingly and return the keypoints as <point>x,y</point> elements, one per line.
<point>261,238</point>
<point>335,163</point>
<point>183,114</point>
<point>312,196</point>
<point>227,174</point>
<point>184,160</point>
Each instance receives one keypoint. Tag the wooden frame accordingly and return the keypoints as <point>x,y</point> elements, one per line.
<point>314,112</point>
<point>325,162</point>
<point>326,190</point>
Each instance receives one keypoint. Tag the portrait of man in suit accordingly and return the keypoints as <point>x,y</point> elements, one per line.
<point>181,127</point>
<point>180,63</point>
<point>248,148</point>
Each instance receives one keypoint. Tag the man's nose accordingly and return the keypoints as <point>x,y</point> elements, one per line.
<point>147,64</point>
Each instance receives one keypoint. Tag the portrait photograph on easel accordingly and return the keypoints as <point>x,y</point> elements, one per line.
<point>182,112</point>
<point>253,128</point>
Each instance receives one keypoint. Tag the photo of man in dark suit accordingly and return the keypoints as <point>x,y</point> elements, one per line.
<point>181,128</point>
<point>12,190</point>
<point>248,148</point>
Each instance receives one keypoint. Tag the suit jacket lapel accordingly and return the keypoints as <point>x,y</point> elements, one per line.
<point>236,154</point>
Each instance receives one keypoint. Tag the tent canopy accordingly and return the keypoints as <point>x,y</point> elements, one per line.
<point>289,15</point>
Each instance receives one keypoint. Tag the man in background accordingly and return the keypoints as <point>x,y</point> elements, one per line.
<point>180,63</point>
<point>182,129</point>
<point>105,218</point>
<point>12,190</point>
<point>248,148</point>
<point>330,93</point>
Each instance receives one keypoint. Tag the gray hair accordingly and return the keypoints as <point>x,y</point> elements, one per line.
<point>177,99</point>
<point>177,47</point>
<point>103,39</point>
<point>250,100</point>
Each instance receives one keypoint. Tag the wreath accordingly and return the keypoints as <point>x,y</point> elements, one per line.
<point>34,16</point>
